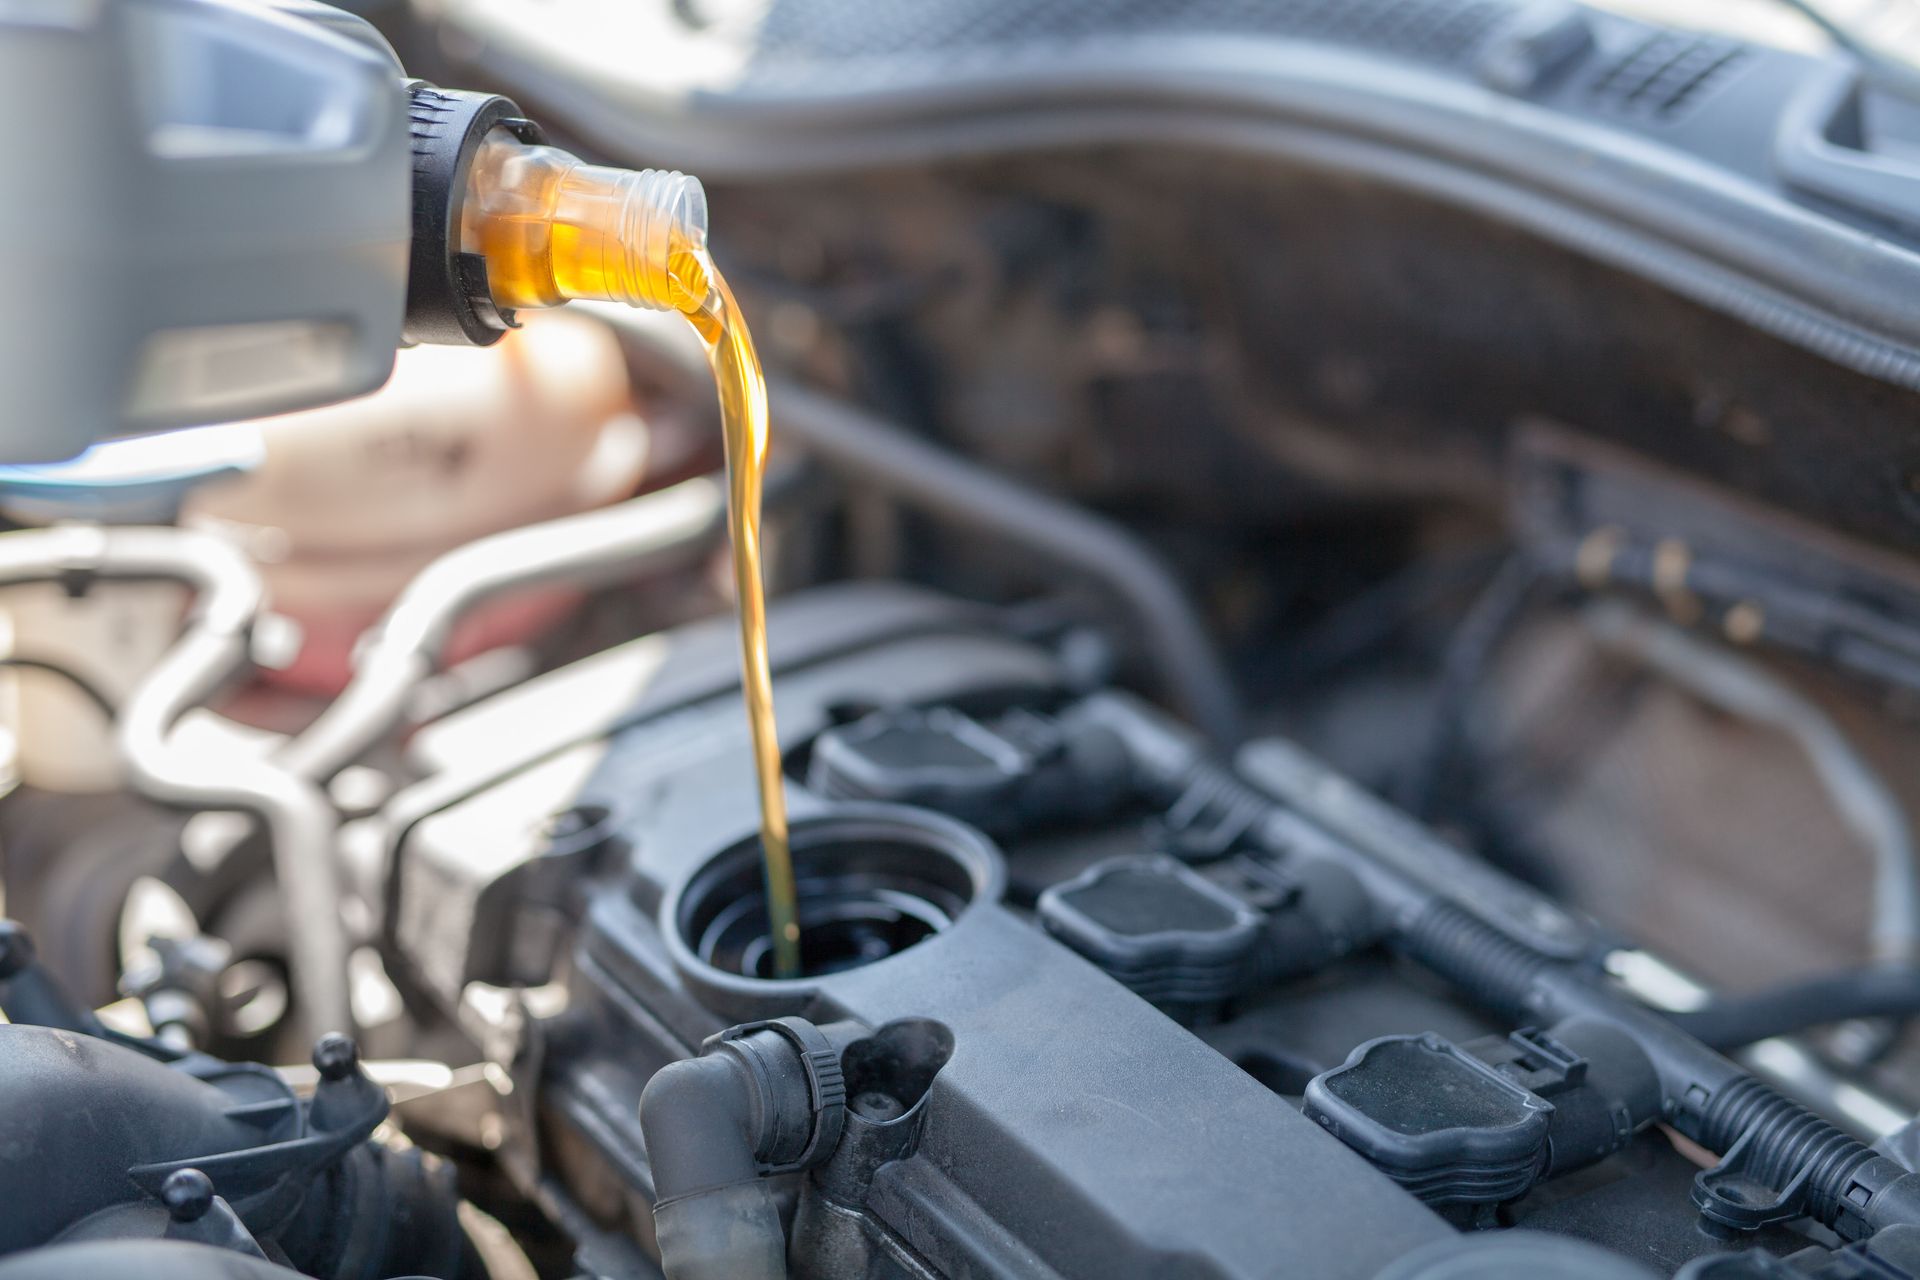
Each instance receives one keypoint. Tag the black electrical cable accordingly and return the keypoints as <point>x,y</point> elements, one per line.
<point>1883,69</point>
<point>87,688</point>
<point>1365,621</point>
<point>1833,28</point>
<point>963,494</point>
<point>1438,773</point>
<point>1732,1022</point>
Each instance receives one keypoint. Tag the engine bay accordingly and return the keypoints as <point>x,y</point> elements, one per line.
<point>1343,627</point>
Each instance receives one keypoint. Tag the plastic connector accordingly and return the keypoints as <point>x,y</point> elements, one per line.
<point>1176,939</point>
<point>1012,773</point>
<point>1481,1123</point>
<point>1190,942</point>
<point>1434,1118</point>
<point>800,1129</point>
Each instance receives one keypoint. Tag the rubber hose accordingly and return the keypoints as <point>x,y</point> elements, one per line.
<point>714,1215</point>
<point>965,494</point>
<point>1732,1022</point>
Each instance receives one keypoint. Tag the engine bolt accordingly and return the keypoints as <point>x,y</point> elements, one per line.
<point>335,1057</point>
<point>188,1194</point>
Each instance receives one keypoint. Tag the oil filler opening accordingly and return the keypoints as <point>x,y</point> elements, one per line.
<point>872,881</point>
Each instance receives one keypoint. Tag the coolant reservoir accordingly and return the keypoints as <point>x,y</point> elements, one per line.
<point>339,506</point>
<point>351,500</point>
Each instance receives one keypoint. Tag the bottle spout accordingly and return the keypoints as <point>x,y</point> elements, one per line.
<point>554,229</point>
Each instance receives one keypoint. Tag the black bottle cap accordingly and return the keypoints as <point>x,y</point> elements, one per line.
<point>448,301</point>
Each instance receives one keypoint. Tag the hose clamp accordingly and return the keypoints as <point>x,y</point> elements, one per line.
<point>826,1083</point>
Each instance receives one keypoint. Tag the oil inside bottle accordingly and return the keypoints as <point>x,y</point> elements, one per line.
<point>552,229</point>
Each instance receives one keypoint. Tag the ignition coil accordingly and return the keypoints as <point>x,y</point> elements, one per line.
<point>1479,1124</point>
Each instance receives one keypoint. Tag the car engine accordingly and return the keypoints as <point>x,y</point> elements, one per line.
<point>1344,637</point>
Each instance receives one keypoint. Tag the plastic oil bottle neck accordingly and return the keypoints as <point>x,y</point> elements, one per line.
<point>553,229</point>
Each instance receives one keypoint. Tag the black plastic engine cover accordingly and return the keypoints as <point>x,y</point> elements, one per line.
<point>1073,1130</point>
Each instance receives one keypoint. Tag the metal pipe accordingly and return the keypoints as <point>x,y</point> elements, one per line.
<point>405,647</point>
<point>300,821</point>
<point>286,789</point>
<point>1742,688</point>
<point>214,648</point>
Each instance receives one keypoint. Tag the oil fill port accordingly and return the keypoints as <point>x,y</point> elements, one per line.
<point>873,880</point>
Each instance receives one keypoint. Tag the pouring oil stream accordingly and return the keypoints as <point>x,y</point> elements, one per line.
<point>552,229</point>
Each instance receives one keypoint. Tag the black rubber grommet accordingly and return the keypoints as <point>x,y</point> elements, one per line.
<point>447,298</point>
